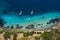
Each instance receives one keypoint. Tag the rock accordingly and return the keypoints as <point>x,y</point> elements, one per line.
<point>18,27</point>
<point>54,20</point>
<point>47,23</point>
<point>12,27</point>
<point>31,26</point>
<point>8,26</point>
<point>40,24</point>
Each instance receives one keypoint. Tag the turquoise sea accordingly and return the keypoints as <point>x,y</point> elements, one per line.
<point>43,12</point>
<point>25,21</point>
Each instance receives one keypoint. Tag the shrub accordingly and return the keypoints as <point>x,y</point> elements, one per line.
<point>24,38</point>
<point>1,31</point>
<point>26,34</point>
<point>31,33</point>
<point>7,35</point>
<point>38,32</point>
<point>20,32</point>
<point>37,38</point>
<point>14,36</point>
<point>46,36</point>
<point>14,33</point>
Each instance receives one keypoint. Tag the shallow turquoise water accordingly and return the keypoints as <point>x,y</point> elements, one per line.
<point>42,6</point>
<point>25,21</point>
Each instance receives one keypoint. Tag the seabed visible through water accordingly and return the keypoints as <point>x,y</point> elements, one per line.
<point>35,20</point>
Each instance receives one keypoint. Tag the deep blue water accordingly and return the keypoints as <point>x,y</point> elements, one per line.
<point>27,5</point>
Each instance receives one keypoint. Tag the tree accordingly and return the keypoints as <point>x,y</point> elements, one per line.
<point>46,36</point>
<point>31,33</point>
<point>7,35</point>
<point>1,31</point>
<point>26,34</point>
<point>37,38</point>
<point>14,35</point>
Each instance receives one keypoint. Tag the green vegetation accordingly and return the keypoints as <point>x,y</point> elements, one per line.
<point>24,38</point>
<point>31,33</point>
<point>1,31</point>
<point>7,34</point>
<point>26,34</point>
<point>46,36</point>
<point>14,36</point>
<point>14,33</point>
<point>39,33</point>
<point>37,38</point>
<point>54,34</point>
<point>20,31</point>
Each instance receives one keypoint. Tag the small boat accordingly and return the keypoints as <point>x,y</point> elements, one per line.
<point>32,12</point>
<point>20,13</point>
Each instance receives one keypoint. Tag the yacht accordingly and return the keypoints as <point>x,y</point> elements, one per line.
<point>32,12</point>
<point>20,13</point>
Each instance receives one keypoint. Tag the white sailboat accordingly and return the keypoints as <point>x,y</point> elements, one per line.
<point>20,13</point>
<point>32,12</point>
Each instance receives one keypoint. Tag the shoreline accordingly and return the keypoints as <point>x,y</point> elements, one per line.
<point>53,27</point>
